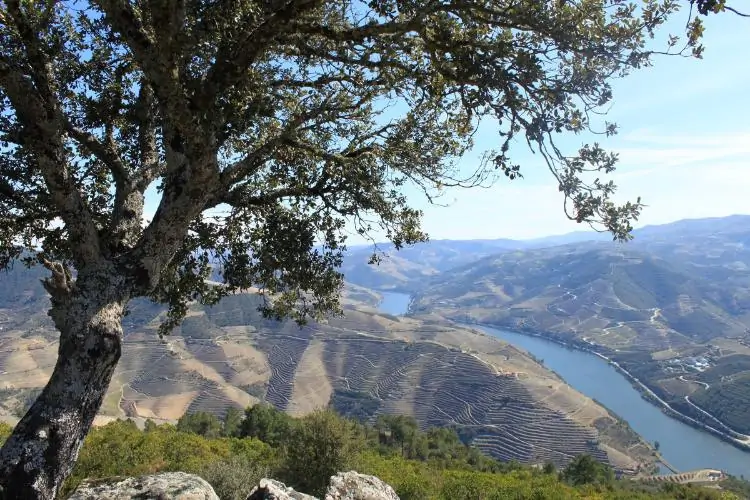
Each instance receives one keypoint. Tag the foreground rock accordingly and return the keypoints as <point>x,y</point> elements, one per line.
<point>270,489</point>
<point>181,486</point>
<point>166,486</point>
<point>343,486</point>
<point>354,486</point>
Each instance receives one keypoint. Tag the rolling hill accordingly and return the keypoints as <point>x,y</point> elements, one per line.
<point>672,306</point>
<point>408,268</point>
<point>702,243</point>
<point>402,269</point>
<point>364,364</point>
<point>618,297</point>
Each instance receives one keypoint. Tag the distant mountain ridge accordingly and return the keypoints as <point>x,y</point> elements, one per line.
<point>406,269</point>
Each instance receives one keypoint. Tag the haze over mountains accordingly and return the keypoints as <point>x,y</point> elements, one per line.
<point>427,259</point>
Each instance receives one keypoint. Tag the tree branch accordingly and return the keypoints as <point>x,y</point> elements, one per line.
<point>732,9</point>
<point>244,167</point>
<point>104,152</point>
<point>234,58</point>
<point>237,198</point>
<point>145,111</point>
<point>157,62</point>
<point>38,111</point>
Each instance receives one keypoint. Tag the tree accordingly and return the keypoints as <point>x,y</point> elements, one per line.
<point>657,445</point>
<point>232,422</point>
<point>264,422</point>
<point>403,430</point>
<point>585,469</point>
<point>320,445</point>
<point>202,423</point>
<point>265,127</point>
<point>149,425</point>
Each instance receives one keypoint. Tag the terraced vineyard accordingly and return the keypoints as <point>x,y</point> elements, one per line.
<point>284,354</point>
<point>500,399</point>
<point>455,388</point>
<point>654,306</point>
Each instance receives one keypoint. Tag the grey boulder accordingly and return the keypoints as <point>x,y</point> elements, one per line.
<point>270,489</point>
<point>354,486</point>
<point>165,486</point>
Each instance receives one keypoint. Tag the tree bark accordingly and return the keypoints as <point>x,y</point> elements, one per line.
<point>44,446</point>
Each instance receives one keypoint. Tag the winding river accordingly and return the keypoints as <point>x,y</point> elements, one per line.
<point>684,447</point>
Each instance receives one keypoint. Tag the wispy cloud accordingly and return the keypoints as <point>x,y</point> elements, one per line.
<point>642,149</point>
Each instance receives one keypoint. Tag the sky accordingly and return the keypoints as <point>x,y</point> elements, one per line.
<point>683,141</point>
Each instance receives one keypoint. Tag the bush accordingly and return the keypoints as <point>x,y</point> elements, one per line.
<point>319,446</point>
<point>264,422</point>
<point>313,448</point>
<point>202,423</point>
<point>121,449</point>
<point>585,469</point>
<point>233,478</point>
<point>5,431</point>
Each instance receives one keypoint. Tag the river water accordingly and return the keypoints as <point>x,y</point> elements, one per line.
<point>683,446</point>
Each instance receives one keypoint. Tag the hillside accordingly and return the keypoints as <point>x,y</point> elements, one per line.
<point>672,306</point>
<point>408,268</point>
<point>705,244</point>
<point>618,297</point>
<point>364,365</point>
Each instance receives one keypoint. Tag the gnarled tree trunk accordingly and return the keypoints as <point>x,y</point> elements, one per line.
<point>44,446</point>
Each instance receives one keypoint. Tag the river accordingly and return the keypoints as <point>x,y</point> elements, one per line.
<point>683,446</point>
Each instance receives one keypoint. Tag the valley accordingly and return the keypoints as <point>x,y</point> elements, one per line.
<point>363,364</point>
<point>683,446</point>
<point>671,308</point>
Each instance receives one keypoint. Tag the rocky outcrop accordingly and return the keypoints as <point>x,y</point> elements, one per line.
<point>343,486</point>
<point>270,489</point>
<point>166,486</point>
<point>181,486</point>
<point>354,486</point>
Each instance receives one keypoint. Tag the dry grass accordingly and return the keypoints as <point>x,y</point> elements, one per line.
<point>312,388</point>
<point>170,407</point>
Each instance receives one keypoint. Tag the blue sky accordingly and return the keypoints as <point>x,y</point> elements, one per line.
<point>684,146</point>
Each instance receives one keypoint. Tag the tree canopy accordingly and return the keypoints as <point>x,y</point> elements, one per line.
<point>584,469</point>
<point>281,114</point>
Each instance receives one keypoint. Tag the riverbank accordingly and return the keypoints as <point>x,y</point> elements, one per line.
<point>645,392</point>
<point>616,434</point>
<point>683,443</point>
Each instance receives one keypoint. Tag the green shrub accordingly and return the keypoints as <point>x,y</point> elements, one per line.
<point>319,445</point>
<point>311,449</point>
<point>233,478</point>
